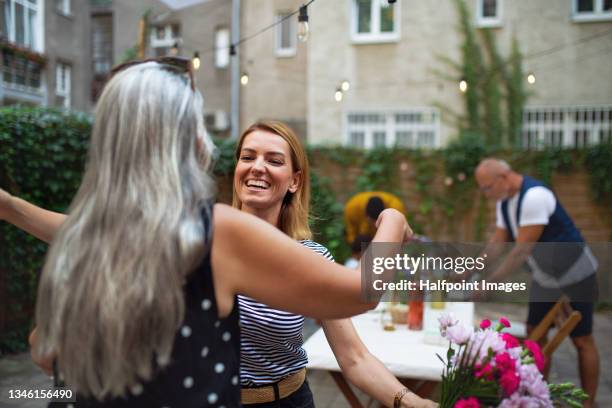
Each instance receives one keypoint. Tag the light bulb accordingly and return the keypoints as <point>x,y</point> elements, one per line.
<point>303,29</point>
<point>345,86</point>
<point>531,79</point>
<point>244,79</point>
<point>463,85</point>
<point>338,95</point>
<point>196,60</point>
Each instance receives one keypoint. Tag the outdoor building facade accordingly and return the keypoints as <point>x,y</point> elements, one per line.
<point>45,52</point>
<point>183,28</point>
<point>391,57</point>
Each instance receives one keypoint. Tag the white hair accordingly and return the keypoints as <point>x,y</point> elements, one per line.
<point>111,293</point>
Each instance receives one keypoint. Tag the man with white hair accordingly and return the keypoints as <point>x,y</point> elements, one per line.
<point>529,213</point>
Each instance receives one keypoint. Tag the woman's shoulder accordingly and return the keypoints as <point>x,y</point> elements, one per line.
<point>318,248</point>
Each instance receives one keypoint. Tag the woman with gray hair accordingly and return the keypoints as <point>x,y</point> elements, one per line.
<point>137,300</point>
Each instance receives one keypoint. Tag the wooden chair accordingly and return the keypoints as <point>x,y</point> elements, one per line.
<point>564,318</point>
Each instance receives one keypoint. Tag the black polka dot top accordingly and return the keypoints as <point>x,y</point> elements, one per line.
<point>204,371</point>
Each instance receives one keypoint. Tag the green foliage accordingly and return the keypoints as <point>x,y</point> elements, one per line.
<point>379,171</point>
<point>599,164</point>
<point>42,155</point>
<point>464,153</point>
<point>517,95</point>
<point>495,95</point>
<point>225,159</point>
<point>327,217</point>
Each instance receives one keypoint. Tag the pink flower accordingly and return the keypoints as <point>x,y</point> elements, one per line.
<point>485,324</point>
<point>509,382</point>
<point>536,352</point>
<point>486,371</point>
<point>505,322</point>
<point>504,362</point>
<point>511,341</point>
<point>459,334</point>
<point>471,402</point>
<point>446,320</point>
<point>533,384</point>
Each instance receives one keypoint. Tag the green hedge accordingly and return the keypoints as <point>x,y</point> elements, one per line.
<point>42,154</point>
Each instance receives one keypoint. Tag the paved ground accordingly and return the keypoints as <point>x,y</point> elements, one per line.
<point>17,372</point>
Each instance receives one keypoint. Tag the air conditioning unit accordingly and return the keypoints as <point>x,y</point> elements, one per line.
<point>217,120</point>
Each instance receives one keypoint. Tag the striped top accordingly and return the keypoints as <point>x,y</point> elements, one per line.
<point>271,340</point>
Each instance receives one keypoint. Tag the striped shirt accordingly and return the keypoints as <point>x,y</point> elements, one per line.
<point>271,340</point>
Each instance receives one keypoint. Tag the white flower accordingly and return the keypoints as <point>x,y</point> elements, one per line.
<point>446,320</point>
<point>459,333</point>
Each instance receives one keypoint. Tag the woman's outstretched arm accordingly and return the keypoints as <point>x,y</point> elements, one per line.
<point>41,223</point>
<point>251,257</point>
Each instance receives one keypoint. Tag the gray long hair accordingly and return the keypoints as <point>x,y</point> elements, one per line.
<point>110,296</point>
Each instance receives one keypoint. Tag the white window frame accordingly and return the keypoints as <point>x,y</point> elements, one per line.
<point>64,7</point>
<point>167,41</point>
<point>221,54</point>
<point>375,35</point>
<point>598,14</point>
<point>391,127</point>
<point>543,124</point>
<point>489,22</point>
<point>36,43</point>
<point>64,88</point>
<point>279,50</point>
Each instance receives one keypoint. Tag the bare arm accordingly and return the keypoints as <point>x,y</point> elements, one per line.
<point>251,257</point>
<point>527,237</point>
<point>364,370</point>
<point>41,223</point>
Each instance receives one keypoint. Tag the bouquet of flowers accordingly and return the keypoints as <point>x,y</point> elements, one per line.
<point>487,367</point>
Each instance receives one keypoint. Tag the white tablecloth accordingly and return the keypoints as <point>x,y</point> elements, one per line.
<point>406,353</point>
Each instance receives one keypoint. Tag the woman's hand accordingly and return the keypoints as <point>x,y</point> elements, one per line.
<point>5,204</point>
<point>392,215</point>
<point>44,362</point>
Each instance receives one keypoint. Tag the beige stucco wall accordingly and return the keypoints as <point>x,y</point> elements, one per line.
<point>578,73</point>
<point>67,40</point>
<point>277,86</point>
<point>198,24</point>
<point>401,74</point>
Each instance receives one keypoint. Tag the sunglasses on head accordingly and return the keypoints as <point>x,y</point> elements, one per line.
<point>177,64</point>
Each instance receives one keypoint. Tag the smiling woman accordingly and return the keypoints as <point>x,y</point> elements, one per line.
<point>271,165</point>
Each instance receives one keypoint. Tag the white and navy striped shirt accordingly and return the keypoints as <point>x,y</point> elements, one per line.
<point>271,340</point>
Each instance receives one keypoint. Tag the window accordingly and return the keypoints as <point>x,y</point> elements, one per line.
<point>63,7</point>
<point>409,128</point>
<point>375,21</point>
<point>165,36</point>
<point>21,23</point>
<point>102,43</point>
<point>20,73</point>
<point>222,44</point>
<point>285,35</point>
<point>569,127</point>
<point>489,13</point>
<point>62,84</point>
<point>592,10</point>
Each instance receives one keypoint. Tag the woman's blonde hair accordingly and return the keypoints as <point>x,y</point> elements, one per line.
<point>110,298</point>
<point>294,211</point>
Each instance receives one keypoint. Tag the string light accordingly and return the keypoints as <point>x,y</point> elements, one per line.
<point>303,30</point>
<point>196,60</point>
<point>338,95</point>
<point>463,85</point>
<point>345,86</point>
<point>244,78</point>
<point>531,78</point>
